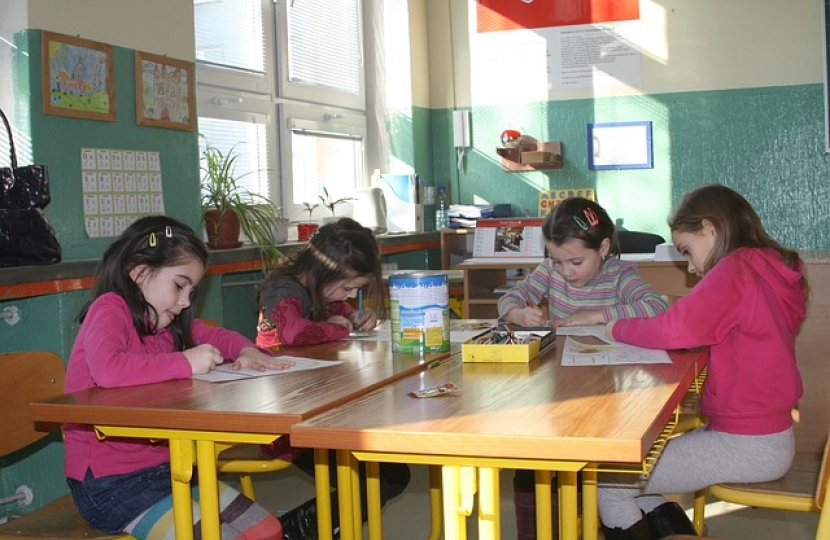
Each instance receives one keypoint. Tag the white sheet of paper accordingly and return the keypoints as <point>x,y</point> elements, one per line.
<point>610,353</point>
<point>382,332</point>
<point>225,372</point>
<point>597,330</point>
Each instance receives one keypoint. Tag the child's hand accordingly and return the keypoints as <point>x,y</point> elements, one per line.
<point>582,318</point>
<point>529,316</point>
<point>367,322</point>
<point>341,320</point>
<point>253,358</point>
<point>609,329</point>
<point>203,358</point>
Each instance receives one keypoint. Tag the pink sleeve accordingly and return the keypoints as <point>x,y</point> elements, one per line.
<point>341,308</point>
<point>293,329</point>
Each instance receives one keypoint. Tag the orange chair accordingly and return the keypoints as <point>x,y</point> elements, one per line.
<point>27,377</point>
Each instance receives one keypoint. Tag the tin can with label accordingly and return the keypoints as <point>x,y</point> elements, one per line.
<point>420,312</point>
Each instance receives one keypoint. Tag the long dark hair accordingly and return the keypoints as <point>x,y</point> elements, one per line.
<point>736,222</point>
<point>156,242</point>
<point>340,250</point>
<point>581,218</point>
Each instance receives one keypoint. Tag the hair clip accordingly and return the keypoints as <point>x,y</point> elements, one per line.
<point>153,239</point>
<point>582,224</point>
<point>593,220</point>
<point>168,232</point>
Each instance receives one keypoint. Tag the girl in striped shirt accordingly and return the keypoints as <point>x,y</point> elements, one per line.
<point>583,280</point>
<point>585,283</point>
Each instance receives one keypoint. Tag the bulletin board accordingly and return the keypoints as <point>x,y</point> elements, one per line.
<point>619,145</point>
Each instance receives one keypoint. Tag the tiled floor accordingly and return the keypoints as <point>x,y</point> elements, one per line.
<point>407,517</point>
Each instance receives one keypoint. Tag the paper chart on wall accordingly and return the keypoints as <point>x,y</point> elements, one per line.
<point>119,186</point>
<point>225,372</point>
<point>592,351</point>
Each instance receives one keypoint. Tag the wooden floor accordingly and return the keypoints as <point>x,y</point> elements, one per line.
<point>407,517</point>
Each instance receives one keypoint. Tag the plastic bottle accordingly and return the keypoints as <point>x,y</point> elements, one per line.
<point>442,207</point>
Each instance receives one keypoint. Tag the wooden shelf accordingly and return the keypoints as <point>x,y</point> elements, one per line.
<point>512,157</point>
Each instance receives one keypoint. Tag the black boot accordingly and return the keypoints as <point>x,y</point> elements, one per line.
<point>638,531</point>
<point>300,523</point>
<point>525,503</point>
<point>668,519</point>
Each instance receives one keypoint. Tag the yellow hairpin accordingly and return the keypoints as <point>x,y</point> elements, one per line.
<point>152,239</point>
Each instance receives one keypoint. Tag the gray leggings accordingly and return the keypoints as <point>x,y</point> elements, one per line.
<point>693,461</point>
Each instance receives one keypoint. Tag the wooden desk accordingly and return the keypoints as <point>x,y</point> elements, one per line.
<point>197,414</point>
<point>539,416</point>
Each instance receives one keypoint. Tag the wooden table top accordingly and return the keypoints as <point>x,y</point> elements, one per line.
<point>539,410</point>
<point>270,404</point>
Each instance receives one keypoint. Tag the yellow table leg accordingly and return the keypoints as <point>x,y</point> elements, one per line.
<point>322,486</point>
<point>590,512</point>
<point>567,504</point>
<point>373,500</point>
<point>435,502</point>
<point>544,519</point>
<point>208,490</point>
<point>345,463</point>
<point>489,503</point>
<point>455,522</point>
<point>181,471</point>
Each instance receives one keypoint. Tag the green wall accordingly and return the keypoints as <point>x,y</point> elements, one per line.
<point>56,142</point>
<point>766,143</point>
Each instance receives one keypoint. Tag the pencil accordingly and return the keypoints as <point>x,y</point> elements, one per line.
<point>360,303</point>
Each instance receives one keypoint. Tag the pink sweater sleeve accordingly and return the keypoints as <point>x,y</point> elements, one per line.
<point>703,317</point>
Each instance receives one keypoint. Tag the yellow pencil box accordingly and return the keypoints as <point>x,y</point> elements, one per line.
<point>531,341</point>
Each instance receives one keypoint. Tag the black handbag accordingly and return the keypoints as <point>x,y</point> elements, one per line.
<point>25,235</point>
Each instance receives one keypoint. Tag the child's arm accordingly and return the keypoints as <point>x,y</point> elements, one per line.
<point>635,298</point>
<point>293,329</point>
<point>360,321</point>
<point>519,304</point>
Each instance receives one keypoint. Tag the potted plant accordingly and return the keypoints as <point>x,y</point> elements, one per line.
<point>331,203</point>
<point>229,208</point>
<point>307,229</point>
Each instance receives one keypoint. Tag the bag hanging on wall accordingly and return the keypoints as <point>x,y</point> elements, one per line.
<point>25,235</point>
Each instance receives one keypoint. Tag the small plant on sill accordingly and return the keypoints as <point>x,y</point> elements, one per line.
<point>330,203</point>
<point>310,208</point>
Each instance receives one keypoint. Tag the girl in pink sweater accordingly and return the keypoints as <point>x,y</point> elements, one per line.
<point>747,308</point>
<point>139,329</point>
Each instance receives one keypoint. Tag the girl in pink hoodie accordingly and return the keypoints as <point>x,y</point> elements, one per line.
<point>747,308</point>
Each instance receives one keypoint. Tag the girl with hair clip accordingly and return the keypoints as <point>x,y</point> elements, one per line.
<point>139,329</point>
<point>747,308</point>
<point>304,302</point>
<point>585,283</point>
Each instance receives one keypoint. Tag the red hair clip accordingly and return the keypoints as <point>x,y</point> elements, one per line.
<point>591,216</point>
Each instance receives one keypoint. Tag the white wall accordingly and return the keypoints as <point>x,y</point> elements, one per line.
<point>154,26</point>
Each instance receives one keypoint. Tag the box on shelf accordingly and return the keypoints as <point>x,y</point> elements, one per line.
<point>537,339</point>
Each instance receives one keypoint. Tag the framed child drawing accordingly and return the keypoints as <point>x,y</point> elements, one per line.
<point>77,77</point>
<point>164,92</point>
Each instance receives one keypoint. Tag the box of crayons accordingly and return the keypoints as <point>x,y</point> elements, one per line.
<point>507,344</point>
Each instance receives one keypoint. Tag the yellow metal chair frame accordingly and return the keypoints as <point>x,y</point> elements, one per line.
<point>802,489</point>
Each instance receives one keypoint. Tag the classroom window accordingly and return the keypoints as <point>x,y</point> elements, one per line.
<point>286,82</point>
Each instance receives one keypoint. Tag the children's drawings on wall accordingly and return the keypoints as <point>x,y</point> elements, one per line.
<point>119,186</point>
<point>164,92</point>
<point>77,77</point>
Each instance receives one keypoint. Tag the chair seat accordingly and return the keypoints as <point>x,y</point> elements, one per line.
<point>57,520</point>
<point>795,490</point>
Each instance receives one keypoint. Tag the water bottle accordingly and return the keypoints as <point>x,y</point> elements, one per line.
<point>442,207</point>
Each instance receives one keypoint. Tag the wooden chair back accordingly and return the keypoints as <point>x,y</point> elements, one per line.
<point>27,376</point>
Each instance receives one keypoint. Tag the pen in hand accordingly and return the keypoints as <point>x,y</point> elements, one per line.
<point>360,304</point>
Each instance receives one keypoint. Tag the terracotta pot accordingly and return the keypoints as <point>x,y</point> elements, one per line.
<point>222,234</point>
<point>306,230</point>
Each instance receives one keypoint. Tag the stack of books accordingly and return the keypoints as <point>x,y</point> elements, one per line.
<point>464,216</point>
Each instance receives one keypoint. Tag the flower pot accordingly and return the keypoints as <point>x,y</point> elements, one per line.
<point>281,231</point>
<point>306,230</point>
<point>222,229</point>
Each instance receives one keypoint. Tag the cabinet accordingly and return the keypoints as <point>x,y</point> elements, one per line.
<point>480,300</point>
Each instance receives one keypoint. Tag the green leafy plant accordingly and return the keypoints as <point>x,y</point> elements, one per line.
<point>330,203</point>
<point>310,209</point>
<point>258,217</point>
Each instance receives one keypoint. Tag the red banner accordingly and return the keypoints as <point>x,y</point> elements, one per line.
<point>497,15</point>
